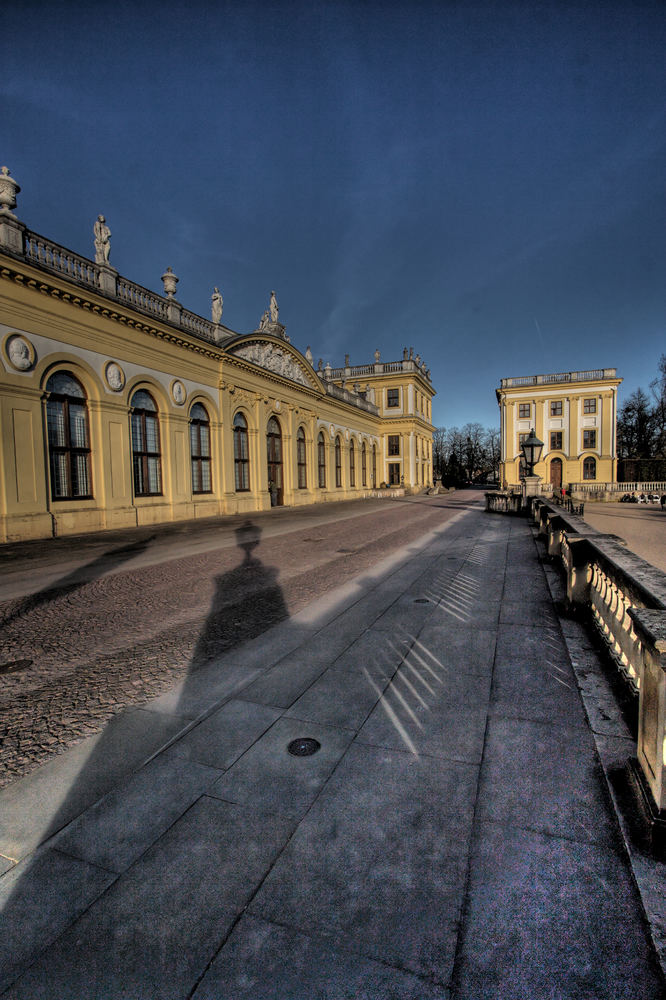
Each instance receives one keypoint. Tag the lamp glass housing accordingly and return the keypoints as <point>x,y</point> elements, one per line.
<point>531,448</point>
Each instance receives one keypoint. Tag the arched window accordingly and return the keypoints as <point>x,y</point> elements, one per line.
<point>352,464</point>
<point>146,457</point>
<point>321,460</point>
<point>274,456</point>
<point>300,459</point>
<point>68,437</point>
<point>200,449</point>
<point>364,465</point>
<point>338,462</point>
<point>374,465</point>
<point>241,454</point>
<point>589,468</point>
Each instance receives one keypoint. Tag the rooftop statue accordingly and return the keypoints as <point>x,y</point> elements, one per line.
<point>273,308</point>
<point>217,303</point>
<point>101,233</point>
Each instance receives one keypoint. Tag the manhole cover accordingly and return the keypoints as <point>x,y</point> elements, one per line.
<point>14,666</point>
<point>303,747</point>
<point>421,600</point>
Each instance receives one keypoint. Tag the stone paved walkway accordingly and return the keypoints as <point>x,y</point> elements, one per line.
<point>451,837</point>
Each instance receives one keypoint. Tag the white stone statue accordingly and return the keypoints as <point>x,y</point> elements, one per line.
<point>19,353</point>
<point>273,308</point>
<point>308,355</point>
<point>217,304</point>
<point>101,233</point>
<point>264,321</point>
<point>377,356</point>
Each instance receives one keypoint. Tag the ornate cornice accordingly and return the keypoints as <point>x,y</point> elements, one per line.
<point>109,311</point>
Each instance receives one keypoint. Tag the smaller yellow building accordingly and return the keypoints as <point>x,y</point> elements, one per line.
<point>573,413</point>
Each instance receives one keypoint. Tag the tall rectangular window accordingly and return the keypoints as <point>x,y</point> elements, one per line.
<point>393,397</point>
<point>67,432</point>
<point>394,444</point>
<point>321,461</point>
<point>300,459</point>
<point>556,408</point>
<point>146,457</point>
<point>556,440</point>
<point>589,439</point>
<point>200,449</point>
<point>524,410</point>
<point>241,454</point>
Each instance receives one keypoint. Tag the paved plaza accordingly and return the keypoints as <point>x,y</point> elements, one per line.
<point>641,526</point>
<point>452,836</point>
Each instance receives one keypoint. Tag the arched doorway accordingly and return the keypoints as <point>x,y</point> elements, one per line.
<point>556,474</point>
<point>274,452</point>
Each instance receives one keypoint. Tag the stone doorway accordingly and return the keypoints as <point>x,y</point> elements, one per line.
<point>556,474</point>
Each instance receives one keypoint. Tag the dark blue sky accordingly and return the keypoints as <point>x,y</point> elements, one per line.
<point>485,182</point>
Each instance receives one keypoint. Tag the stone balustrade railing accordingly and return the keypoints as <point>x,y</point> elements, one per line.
<point>45,253</point>
<point>379,368</point>
<point>142,298</point>
<point>624,598</point>
<point>588,376</point>
<point>619,488</point>
<point>198,325</point>
<point>350,397</point>
<point>504,503</point>
<point>105,280</point>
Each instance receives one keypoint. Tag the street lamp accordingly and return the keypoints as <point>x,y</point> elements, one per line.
<point>531,448</point>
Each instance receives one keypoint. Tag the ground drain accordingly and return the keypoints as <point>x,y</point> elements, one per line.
<point>422,600</point>
<point>14,666</point>
<point>303,747</point>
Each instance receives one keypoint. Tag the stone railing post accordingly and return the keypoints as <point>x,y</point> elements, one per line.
<point>650,626</point>
<point>576,558</point>
<point>108,277</point>
<point>542,521</point>
<point>555,527</point>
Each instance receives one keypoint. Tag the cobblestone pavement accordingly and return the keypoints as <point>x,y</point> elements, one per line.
<point>78,652</point>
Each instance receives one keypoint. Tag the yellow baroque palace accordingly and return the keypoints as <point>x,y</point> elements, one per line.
<point>574,414</point>
<point>119,407</point>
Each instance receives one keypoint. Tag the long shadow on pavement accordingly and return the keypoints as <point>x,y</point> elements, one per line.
<point>43,894</point>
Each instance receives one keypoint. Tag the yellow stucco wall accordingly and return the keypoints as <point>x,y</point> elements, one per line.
<point>81,331</point>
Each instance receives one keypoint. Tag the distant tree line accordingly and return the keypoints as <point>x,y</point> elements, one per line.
<point>641,432</point>
<point>466,454</point>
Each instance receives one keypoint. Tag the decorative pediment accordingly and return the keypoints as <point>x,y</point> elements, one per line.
<point>273,358</point>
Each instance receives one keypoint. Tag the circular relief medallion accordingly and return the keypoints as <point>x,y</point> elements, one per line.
<point>20,352</point>
<point>178,392</point>
<point>331,430</point>
<point>115,376</point>
<point>347,435</point>
<point>278,405</point>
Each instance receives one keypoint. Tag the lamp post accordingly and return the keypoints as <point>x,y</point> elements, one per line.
<point>531,449</point>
